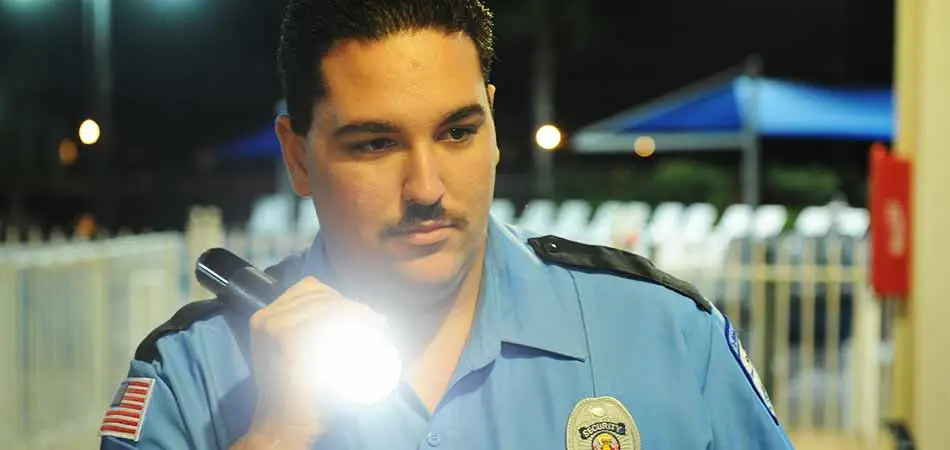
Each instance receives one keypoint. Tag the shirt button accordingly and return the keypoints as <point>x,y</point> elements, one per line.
<point>433,439</point>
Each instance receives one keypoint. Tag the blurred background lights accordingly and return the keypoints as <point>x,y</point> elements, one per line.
<point>67,152</point>
<point>548,137</point>
<point>644,146</point>
<point>89,132</point>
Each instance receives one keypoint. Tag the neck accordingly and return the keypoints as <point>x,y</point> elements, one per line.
<point>432,349</point>
<point>431,338</point>
<point>449,308</point>
<point>451,315</point>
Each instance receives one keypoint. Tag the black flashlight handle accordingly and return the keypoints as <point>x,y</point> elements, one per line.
<point>234,280</point>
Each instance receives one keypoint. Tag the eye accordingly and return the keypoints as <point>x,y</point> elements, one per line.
<point>460,134</point>
<point>373,146</point>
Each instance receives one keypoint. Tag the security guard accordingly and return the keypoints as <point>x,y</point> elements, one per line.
<point>509,340</point>
<point>573,345</point>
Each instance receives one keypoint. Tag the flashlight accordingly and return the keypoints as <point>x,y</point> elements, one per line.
<point>352,361</point>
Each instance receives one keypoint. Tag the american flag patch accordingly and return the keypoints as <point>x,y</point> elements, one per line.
<point>126,413</point>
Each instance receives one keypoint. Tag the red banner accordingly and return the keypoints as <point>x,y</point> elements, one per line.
<point>890,223</point>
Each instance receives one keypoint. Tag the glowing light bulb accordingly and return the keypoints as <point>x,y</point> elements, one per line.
<point>355,364</point>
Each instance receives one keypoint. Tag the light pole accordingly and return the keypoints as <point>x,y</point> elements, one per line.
<point>543,65</point>
<point>98,28</point>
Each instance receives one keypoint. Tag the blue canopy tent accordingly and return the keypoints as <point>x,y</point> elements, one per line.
<point>258,144</point>
<point>261,145</point>
<point>732,111</point>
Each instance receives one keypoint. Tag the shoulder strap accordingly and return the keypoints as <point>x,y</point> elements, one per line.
<point>147,351</point>
<point>595,258</point>
<point>287,271</point>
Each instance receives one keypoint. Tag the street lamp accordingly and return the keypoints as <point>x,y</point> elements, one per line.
<point>644,146</point>
<point>89,132</point>
<point>548,137</point>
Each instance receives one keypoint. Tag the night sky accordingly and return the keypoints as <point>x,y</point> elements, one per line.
<point>190,74</point>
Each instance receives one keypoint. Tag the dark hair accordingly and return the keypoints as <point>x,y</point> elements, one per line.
<point>311,27</point>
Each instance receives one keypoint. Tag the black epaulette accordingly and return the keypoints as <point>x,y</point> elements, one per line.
<point>595,258</point>
<point>147,350</point>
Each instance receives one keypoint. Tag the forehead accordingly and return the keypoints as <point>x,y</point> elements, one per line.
<point>415,75</point>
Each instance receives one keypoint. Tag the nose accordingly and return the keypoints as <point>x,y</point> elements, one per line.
<point>424,184</point>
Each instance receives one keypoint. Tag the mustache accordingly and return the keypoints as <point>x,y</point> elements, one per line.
<point>417,215</point>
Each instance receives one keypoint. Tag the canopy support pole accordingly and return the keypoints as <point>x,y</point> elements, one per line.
<point>751,152</point>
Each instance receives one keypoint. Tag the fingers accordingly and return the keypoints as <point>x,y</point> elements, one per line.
<point>309,301</point>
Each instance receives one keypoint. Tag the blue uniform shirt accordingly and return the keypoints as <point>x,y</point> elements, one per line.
<point>557,322</point>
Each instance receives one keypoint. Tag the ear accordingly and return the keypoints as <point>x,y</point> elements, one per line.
<point>294,149</point>
<point>491,103</point>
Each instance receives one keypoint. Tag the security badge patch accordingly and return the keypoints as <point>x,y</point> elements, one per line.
<point>602,423</point>
<point>738,351</point>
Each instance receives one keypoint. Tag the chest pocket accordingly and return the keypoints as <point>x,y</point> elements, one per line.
<point>651,375</point>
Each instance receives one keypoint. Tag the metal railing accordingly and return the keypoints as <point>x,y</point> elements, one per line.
<point>811,325</point>
<point>71,314</point>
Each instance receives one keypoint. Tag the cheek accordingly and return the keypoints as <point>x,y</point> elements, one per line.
<point>353,199</point>
<point>473,179</point>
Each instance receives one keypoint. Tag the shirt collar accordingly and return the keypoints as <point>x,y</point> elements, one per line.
<point>534,307</point>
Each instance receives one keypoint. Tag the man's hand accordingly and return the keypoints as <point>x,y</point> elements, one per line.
<point>290,411</point>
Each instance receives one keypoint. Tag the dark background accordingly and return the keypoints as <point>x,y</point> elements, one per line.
<point>191,74</point>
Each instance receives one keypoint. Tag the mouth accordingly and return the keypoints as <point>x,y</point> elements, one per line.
<point>426,233</point>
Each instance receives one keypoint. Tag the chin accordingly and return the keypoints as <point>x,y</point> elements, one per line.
<point>436,270</point>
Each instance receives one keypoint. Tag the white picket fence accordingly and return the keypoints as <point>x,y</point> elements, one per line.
<point>71,314</point>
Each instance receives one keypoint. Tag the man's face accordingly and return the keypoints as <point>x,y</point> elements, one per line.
<point>400,158</point>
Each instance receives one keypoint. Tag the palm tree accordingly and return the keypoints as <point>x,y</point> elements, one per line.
<point>543,21</point>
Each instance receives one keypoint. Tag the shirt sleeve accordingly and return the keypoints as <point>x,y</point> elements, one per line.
<point>738,404</point>
<point>147,413</point>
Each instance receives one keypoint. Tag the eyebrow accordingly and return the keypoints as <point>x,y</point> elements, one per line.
<point>378,126</point>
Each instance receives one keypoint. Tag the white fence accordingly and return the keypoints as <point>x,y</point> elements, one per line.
<point>71,314</point>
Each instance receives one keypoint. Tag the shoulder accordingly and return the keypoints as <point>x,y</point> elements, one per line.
<point>196,316</point>
<point>182,320</point>
<point>594,259</point>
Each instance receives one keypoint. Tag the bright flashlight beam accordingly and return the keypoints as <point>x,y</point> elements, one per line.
<point>356,364</point>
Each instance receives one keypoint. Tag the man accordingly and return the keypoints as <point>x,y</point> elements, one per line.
<point>507,340</point>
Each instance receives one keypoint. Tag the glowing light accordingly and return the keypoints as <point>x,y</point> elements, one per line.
<point>548,137</point>
<point>354,363</point>
<point>89,132</point>
<point>67,152</point>
<point>644,146</point>
<point>85,226</point>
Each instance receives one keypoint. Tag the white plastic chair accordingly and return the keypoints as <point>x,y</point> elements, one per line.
<point>769,221</point>
<point>271,215</point>
<point>503,210</point>
<point>853,222</point>
<point>698,221</point>
<point>601,228</point>
<point>665,223</point>
<point>538,216</point>
<point>691,246</point>
<point>571,222</point>
<point>813,221</point>
<point>736,221</point>
<point>629,227</point>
